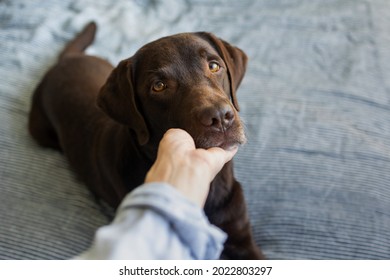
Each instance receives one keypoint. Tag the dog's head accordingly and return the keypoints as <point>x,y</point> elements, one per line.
<point>186,81</point>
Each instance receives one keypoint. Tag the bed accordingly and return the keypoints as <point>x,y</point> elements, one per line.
<point>315,101</point>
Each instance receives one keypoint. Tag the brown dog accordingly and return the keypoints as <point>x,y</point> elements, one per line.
<point>186,81</point>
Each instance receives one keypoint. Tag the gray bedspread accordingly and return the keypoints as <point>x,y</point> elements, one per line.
<point>315,101</point>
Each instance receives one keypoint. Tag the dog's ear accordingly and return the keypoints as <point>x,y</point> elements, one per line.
<point>117,99</point>
<point>235,60</point>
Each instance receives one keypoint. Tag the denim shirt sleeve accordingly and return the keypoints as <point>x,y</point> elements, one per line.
<point>157,222</point>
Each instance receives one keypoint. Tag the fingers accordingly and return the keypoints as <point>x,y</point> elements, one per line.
<point>188,169</point>
<point>225,155</point>
<point>178,141</point>
<point>176,134</point>
<point>175,137</point>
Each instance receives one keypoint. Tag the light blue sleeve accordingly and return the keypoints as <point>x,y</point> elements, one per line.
<point>157,222</point>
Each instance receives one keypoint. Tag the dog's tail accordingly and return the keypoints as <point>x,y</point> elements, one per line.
<point>81,42</point>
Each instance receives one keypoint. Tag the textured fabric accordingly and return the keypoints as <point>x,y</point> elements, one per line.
<point>177,229</point>
<point>315,101</point>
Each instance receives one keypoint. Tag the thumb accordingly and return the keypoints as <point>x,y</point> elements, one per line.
<point>218,157</point>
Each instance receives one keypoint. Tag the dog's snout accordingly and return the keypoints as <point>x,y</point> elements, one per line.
<point>220,118</point>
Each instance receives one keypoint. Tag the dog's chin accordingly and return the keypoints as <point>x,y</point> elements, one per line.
<point>226,141</point>
<point>229,145</point>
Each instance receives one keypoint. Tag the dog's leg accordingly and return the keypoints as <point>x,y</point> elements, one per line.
<point>240,243</point>
<point>232,218</point>
<point>39,125</point>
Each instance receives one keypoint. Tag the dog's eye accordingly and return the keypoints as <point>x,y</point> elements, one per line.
<point>159,86</point>
<point>214,66</point>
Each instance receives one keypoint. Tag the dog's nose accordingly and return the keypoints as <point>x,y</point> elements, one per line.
<point>220,118</point>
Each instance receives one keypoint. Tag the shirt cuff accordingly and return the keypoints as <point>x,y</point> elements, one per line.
<point>188,220</point>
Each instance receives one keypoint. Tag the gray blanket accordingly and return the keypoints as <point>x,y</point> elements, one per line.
<point>315,101</point>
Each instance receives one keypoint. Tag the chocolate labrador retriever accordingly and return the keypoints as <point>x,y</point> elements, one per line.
<point>186,81</point>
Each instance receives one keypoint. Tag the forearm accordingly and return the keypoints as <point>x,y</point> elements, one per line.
<point>157,222</point>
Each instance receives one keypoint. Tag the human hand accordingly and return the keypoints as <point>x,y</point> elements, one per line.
<point>186,168</point>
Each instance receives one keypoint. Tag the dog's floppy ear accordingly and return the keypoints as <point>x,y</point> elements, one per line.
<point>235,60</point>
<point>117,99</point>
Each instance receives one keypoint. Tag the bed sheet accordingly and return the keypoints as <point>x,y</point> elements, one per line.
<point>315,101</point>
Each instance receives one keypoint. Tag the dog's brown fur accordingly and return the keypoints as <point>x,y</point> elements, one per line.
<point>112,147</point>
